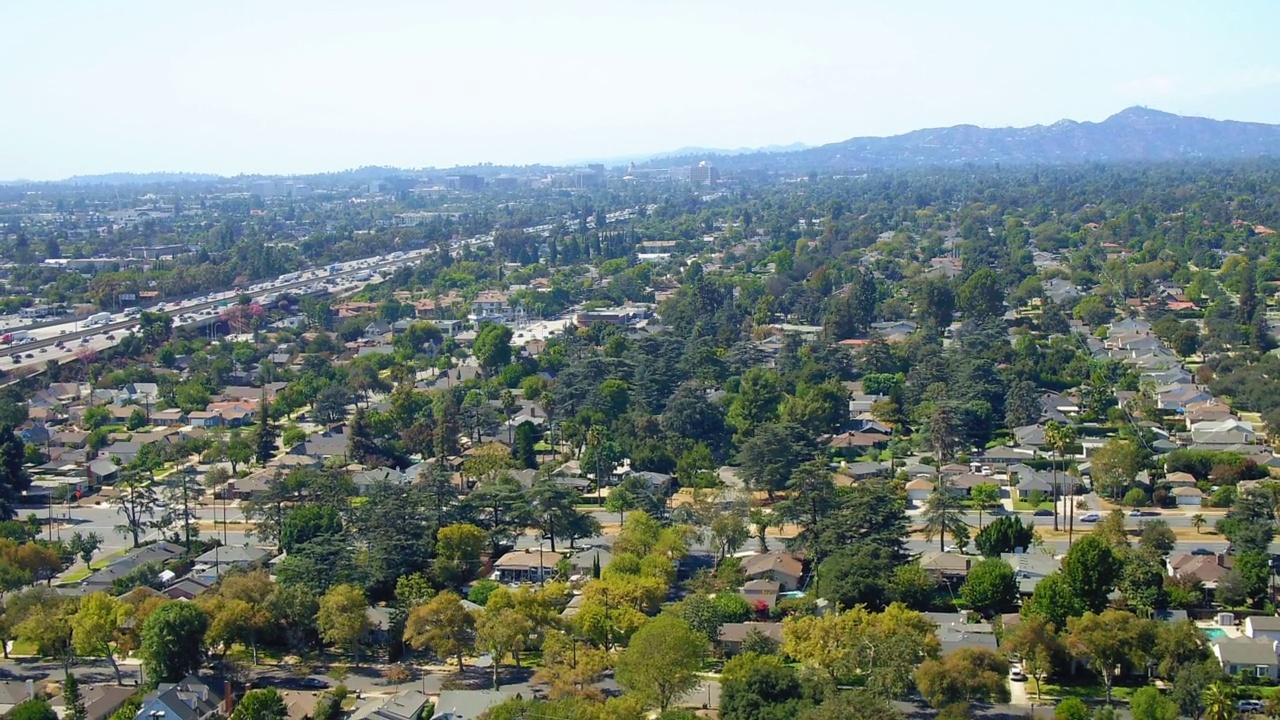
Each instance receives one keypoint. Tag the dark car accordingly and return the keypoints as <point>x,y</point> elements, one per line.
<point>1203,551</point>
<point>1042,513</point>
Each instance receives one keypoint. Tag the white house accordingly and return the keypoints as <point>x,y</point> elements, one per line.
<point>1188,496</point>
<point>1262,627</point>
<point>919,490</point>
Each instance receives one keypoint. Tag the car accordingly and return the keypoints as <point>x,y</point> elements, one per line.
<point>1042,512</point>
<point>312,683</point>
<point>16,359</point>
<point>1016,674</point>
<point>84,341</point>
<point>1090,518</point>
<point>1249,706</point>
<point>1202,551</point>
<point>1135,513</point>
<point>111,336</point>
<point>28,356</point>
<point>44,349</point>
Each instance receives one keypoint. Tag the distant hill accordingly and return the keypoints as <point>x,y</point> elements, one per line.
<point>126,178</point>
<point>698,152</point>
<point>1135,134</point>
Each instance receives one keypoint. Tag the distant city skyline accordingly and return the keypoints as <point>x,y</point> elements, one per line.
<point>289,87</point>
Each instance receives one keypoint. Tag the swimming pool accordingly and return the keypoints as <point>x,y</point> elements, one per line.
<point>1214,633</point>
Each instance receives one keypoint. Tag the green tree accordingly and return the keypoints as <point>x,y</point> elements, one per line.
<point>943,514</point>
<point>261,704</point>
<point>967,675</point>
<point>661,663</point>
<point>1058,438</point>
<point>342,618</point>
<point>1053,600</point>
<point>173,641</point>
<point>1091,569</point>
<point>94,628</point>
<point>769,458</point>
<point>459,549</point>
<point>1072,708</point>
<point>1219,701</point>
<point>442,625</point>
<point>492,347</point>
<point>758,687</point>
<point>1157,536</point>
<point>1136,498</point>
<point>1149,704</point>
<point>981,296</point>
<point>500,633</point>
<point>265,435</point>
<point>990,588</point>
<point>1111,639</point>
<point>1038,645</point>
<point>72,701</point>
<point>1004,535</point>
<point>34,709</point>
<point>984,497</point>
<point>14,479</point>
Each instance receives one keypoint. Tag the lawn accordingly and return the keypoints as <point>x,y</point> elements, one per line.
<point>1023,505</point>
<point>1083,691</point>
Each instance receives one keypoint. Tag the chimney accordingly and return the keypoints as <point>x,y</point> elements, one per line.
<point>229,698</point>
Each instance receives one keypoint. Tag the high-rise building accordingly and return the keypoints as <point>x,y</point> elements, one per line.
<point>704,173</point>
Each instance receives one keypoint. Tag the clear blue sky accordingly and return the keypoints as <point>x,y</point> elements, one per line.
<point>266,86</point>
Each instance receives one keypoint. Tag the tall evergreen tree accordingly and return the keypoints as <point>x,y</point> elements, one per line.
<point>265,442</point>
<point>71,699</point>
<point>13,476</point>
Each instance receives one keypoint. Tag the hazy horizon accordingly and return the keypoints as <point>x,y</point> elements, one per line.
<point>287,87</point>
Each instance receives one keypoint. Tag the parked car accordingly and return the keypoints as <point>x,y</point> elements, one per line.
<point>1042,513</point>
<point>1250,706</point>
<point>1202,551</point>
<point>1016,674</point>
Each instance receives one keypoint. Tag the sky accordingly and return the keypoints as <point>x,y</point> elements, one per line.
<point>284,87</point>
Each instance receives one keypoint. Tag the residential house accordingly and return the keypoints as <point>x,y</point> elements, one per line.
<point>237,556</point>
<point>102,580</point>
<point>1247,656</point>
<point>1060,290</point>
<point>14,692</point>
<point>1030,568</point>
<point>190,587</point>
<point>859,404</point>
<point>1188,496</point>
<point>732,635</point>
<point>951,568</point>
<point>782,567</point>
<point>100,700</point>
<point>528,565</point>
<point>919,490</point>
<point>1262,627</point>
<point>955,638</point>
<point>103,472</point>
<point>407,705</point>
<point>469,704</point>
<point>204,419</point>
<point>761,593</point>
<point>1179,479</point>
<point>1179,396</point>
<point>324,445</point>
<point>169,418</point>
<point>366,479</point>
<point>1030,435</point>
<point>191,699</point>
<point>1208,569</point>
<point>1224,432</point>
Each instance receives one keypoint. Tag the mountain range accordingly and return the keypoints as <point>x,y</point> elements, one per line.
<point>1135,134</point>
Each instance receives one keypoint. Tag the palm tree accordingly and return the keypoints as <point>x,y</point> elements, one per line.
<point>984,497</point>
<point>1057,437</point>
<point>1220,702</point>
<point>943,514</point>
<point>1198,522</point>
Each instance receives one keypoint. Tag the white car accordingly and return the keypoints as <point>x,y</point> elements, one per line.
<point>1250,706</point>
<point>1016,674</point>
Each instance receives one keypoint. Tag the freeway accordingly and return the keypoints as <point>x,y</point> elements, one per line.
<point>44,348</point>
